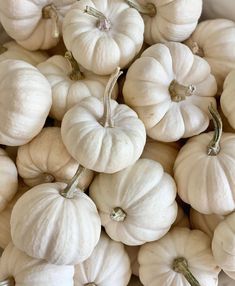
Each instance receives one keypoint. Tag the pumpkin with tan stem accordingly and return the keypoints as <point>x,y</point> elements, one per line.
<point>182,257</point>
<point>168,20</point>
<point>103,137</point>
<point>127,202</point>
<point>17,268</point>
<point>49,233</point>
<point>70,84</point>
<point>214,41</point>
<point>108,264</point>
<point>214,157</point>
<point>170,89</point>
<point>34,24</point>
<point>45,159</point>
<point>109,34</point>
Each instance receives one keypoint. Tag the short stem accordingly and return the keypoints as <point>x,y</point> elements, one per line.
<point>180,265</point>
<point>75,74</point>
<point>103,24</point>
<point>106,119</point>
<point>49,12</point>
<point>118,214</point>
<point>69,191</point>
<point>47,178</point>
<point>149,9</point>
<point>214,146</point>
<point>3,49</point>
<point>196,49</point>
<point>179,92</point>
<point>8,282</point>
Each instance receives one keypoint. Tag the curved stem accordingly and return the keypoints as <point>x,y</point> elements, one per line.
<point>106,119</point>
<point>75,74</point>
<point>149,9</point>
<point>69,191</point>
<point>103,24</point>
<point>3,49</point>
<point>118,214</point>
<point>8,282</point>
<point>180,265</point>
<point>214,146</point>
<point>194,47</point>
<point>179,92</point>
<point>49,12</point>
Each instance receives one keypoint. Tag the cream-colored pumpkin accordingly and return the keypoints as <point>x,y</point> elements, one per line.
<point>27,271</point>
<point>137,204</point>
<point>34,24</point>
<point>108,264</point>
<point>214,41</point>
<point>103,137</point>
<point>25,96</point>
<point>205,223</point>
<point>8,179</point>
<point>204,171</point>
<point>175,258</point>
<point>45,159</point>
<point>70,85</point>
<point>168,20</point>
<point>132,252</point>
<point>213,9</point>
<point>223,245</point>
<point>182,219</point>
<point>170,89</point>
<point>62,223</point>
<point>104,38</point>
<point>225,280</point>
<point>226,126</point>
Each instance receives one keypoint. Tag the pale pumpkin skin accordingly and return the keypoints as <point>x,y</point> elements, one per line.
<point>213,192</point>
<point>213,9</point>
<point>67,92</point>
<point>8,179</point>
<point>156,259</point>
<point>147,91</point>
<point>226,126</point>
<point>25,102</point>
<point>214,41</point>
<point>139,191</point>
<point>205,223</point>
<point>29,271</point>
<point>132,252</point>
<point>24,21</point>
<point>45,159</point>
<point>108,265</point>
<point>98,49</point>
<point>96,147</point>
<point>46,216</point>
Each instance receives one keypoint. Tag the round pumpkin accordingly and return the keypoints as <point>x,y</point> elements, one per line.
<point>127,202</point>
<point>170,89</point>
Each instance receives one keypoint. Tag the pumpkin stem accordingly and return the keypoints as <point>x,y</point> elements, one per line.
<point>47,178</point>
<point>103,23</point>
<point>148,9</point>
<point>8,282</point>
<point>49,12</point>
<point>106,120</point>
<point>214,146</point>
<point>194,47</point>
<point>179,92</point>
<point>69,191</point>
<point>3,49</point>
<point>180,265</point>
<point>118,214</point>
<point>75,74</point>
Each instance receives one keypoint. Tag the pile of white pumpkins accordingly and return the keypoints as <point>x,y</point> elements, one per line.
<point>117,133</point>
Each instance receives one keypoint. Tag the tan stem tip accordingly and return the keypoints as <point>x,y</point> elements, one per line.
<point>103,24</point>
<point>118,214</point>
<point>50,12</point>
<point>179,92</point>
<point>148,9</point>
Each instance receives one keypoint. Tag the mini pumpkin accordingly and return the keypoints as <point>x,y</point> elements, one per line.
<point>109,34</point>
<point>170,89</point>
<point>127,202</point>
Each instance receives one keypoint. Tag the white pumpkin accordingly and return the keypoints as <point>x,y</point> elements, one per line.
<point>181,257</point>
<point>103,137</point>
<point>168,20</point>
<point>226,126</point>
<point>213,9</point>
<point>69,84</point>
<point>109,34</point>
<point>137,204</point>
<point>25,96</point>
<point>8,179</point>
<point>64,226</point>
<point>45,159</point>
<point>182,219</point>
<point>108,264</point>
<point>27,271</point>
<point>170,89</point>
<point>34,24</point>
<point>214,41</point>
<point>225,280</point>
<point>132,252</point>
<point>205,223</point>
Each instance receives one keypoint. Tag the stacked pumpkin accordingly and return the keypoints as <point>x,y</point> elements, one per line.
<point>105,112</point>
